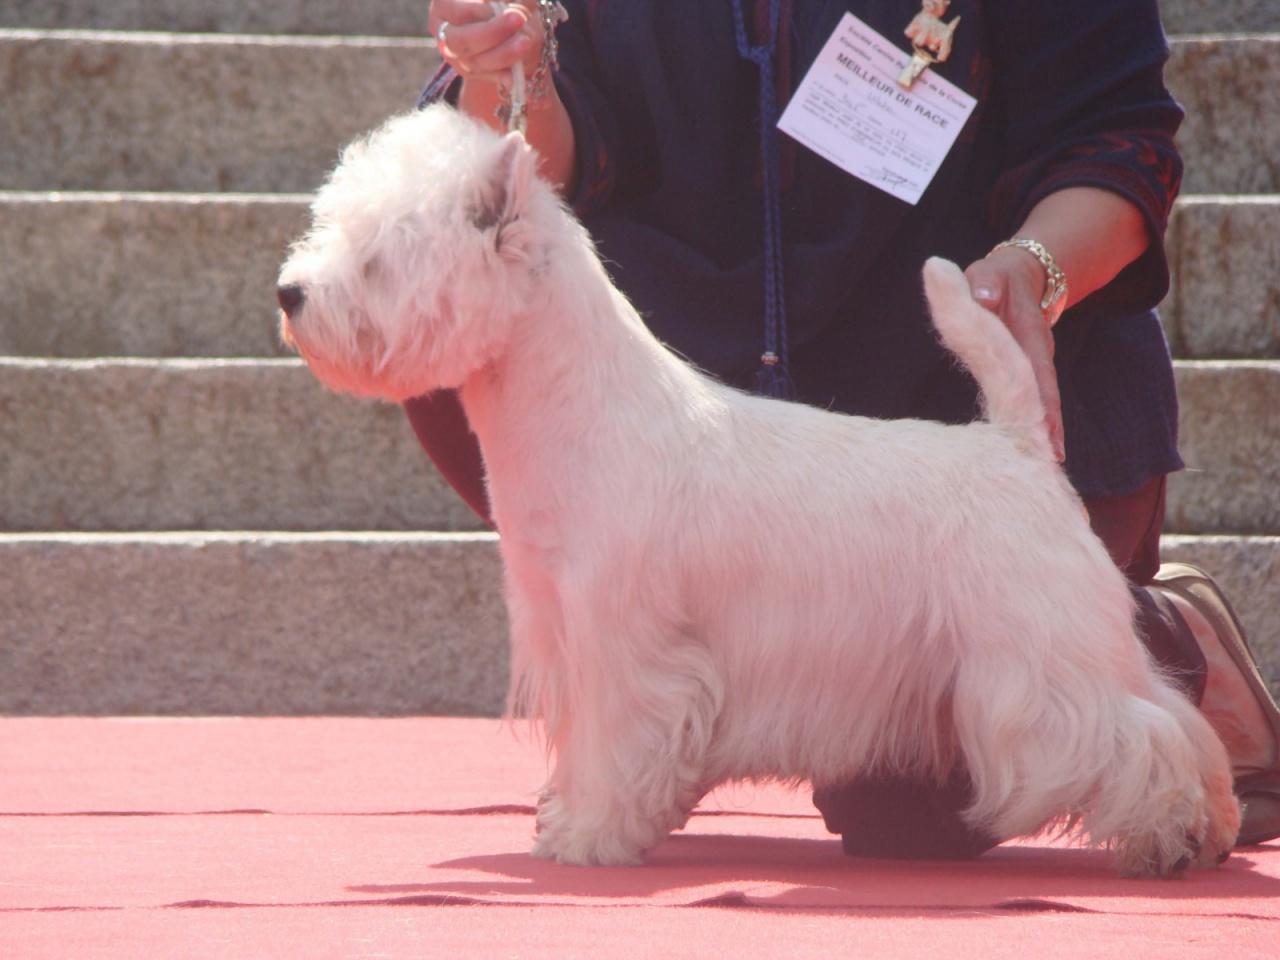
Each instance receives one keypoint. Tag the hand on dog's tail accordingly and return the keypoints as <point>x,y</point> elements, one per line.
<point>985,346</point>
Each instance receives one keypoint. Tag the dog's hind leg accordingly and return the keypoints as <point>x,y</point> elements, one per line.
<point>1023,737</point>
<point>1117,749</point>
<point>630,766</point>
<point>1166,802</point>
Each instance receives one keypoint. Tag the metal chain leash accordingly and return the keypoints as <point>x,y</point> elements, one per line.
<point>513,111</point>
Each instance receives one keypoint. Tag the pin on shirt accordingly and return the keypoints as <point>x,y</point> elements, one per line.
<point>930,40</point>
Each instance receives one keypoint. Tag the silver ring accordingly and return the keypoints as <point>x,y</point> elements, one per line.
<point>441,43</point>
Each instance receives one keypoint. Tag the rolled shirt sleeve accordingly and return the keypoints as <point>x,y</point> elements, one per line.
<point>1113,129</point>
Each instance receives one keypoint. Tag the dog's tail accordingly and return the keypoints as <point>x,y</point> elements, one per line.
<point>987,349</point>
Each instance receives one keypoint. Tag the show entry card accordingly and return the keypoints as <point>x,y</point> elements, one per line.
<point>850,110</point>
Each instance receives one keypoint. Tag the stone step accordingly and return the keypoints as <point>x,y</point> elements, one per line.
<point>405,18</point>
<point>143,275</point>
<point>1220,16</point>
<point>268,114</point>
<point>1225,256</point>
<point>408,17</point>
<point>1229,140</point>
<point>207,445</point>
<point>252,624</point>
<point>103,445</point>
<point>193,275</point>
<point>170,112</point>
<point>1230,441</point>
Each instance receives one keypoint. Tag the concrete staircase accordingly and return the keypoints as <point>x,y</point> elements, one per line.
<point>190,525</point>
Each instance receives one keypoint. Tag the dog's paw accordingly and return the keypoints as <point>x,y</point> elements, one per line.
<point>584,850</point>
<point>542,850</point>
<point>561,838</point>
<point>1169,854</point>
<point>1148,857</point>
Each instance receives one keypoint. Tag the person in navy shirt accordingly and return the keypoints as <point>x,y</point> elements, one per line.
<point>652,131</point>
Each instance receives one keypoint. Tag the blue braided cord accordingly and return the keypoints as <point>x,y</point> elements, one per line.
<point>773,378</point>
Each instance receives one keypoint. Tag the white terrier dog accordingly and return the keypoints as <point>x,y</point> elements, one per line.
<point>705,585</point>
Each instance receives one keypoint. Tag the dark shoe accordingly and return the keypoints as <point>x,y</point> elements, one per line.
<point>1236,700</point>
<point>898,819</point>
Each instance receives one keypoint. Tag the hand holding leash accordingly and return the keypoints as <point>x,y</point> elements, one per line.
<point>501,43</point>
<point>481,45</point>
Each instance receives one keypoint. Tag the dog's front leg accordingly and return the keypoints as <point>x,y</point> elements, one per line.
<point>631,765</point>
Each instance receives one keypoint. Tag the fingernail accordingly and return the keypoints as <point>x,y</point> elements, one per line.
<point>985,293</point>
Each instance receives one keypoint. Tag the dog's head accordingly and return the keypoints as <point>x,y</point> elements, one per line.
<point>421,253</point>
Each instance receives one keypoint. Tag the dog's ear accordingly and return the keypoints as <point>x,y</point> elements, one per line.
<point>507,184</point>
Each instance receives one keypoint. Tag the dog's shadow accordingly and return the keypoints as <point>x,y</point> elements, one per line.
<point>726,869</point>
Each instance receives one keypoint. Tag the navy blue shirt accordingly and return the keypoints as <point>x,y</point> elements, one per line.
<point>665,116</point>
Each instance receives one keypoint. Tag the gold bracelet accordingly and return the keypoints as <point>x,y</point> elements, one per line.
<point>1054,300</point>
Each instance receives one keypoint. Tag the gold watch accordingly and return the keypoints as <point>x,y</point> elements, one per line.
<point>1054,300</point>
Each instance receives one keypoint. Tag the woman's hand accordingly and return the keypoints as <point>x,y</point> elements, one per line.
<point>1010,283</point>
<point>1092,234</point>
<point>483,46</point>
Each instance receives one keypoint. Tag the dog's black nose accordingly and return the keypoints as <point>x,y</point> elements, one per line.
<point>290,297</point>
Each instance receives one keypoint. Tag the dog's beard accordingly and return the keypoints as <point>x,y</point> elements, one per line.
<point>363,371</point>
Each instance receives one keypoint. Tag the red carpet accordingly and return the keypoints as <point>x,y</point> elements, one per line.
<point>318,838</point>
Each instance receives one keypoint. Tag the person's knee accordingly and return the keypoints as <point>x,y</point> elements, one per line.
<point>900,819</point>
